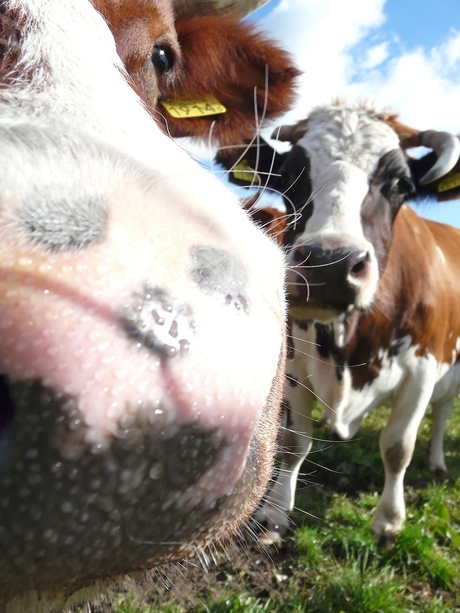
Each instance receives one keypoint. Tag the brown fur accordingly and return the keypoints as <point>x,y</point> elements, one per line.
<point>248,74</point>
<point>418,301</point>
<point>215,56</point>
<point>10,43</point>
<point>271,220</point>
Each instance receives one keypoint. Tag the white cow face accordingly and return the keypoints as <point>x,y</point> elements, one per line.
<point>357,179</point>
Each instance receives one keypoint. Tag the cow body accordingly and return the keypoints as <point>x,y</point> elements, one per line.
<point>373,295</point>
<point>135,299</point>
<point>403,352</point>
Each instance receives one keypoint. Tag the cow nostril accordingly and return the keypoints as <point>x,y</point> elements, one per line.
<point>359,265</point>
<point>6,404</point>
<point>298,255</point>
<point>358,269</point>
<point>159,322</point>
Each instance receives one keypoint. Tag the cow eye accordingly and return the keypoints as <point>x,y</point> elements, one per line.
<point>398,189</point>
<point>162,59</point>
<point>406,187</point>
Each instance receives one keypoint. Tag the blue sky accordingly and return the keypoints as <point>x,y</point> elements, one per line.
<point>401,54</point>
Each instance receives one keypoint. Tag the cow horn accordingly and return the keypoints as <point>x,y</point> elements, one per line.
<point>229,8</point>
<point>445,145</point>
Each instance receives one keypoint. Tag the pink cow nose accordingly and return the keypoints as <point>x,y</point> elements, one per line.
<point>132,421</point>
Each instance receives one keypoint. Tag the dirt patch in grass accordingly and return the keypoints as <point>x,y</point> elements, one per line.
<point>246,569</point>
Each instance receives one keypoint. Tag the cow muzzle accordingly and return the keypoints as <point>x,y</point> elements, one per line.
<point>325,282</point>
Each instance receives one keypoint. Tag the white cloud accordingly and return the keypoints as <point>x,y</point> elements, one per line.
<point>422,86</point>
<point>376,55</point>
<point>345,51</point>
<point>319,34</point>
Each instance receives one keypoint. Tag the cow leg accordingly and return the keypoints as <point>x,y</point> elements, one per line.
<point>440,414</point>
<point>397,443</point>
<point>296,441</point>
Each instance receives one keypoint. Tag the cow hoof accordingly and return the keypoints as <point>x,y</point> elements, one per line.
<point>386,540</point>
<point>442,476</point>
<point>334,437</point>
<point>271,538</point>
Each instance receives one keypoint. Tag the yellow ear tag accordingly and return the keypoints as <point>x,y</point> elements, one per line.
<point>243,172</point>
<point>449,183</point>
<point>183,109</point>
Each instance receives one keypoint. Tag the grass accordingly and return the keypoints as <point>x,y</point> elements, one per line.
<point>331,563</point>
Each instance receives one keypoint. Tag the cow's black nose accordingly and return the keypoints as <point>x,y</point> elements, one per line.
<point>333,276</point>
<point>161,323</point>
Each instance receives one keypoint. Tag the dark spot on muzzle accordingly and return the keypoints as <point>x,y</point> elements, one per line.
<point>60,219</point>
<point>6,404</point>
<point>219,273</point>
<point>71,506</point>
<point>160,323</point>
<point>7,419</point>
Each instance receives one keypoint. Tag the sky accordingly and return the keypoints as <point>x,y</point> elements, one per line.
<point>400,54</point>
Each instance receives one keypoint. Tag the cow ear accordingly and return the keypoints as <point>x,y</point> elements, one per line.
<point>290,134</point>
<point>253,164</point>
<point>227,64</point>
<point>437,173</point>
<point>444,188</point>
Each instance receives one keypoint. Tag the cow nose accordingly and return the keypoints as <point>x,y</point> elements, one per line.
<point>358,262</point>
<point>334,276</point>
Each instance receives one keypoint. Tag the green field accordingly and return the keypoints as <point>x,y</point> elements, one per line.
<point>330,562</point>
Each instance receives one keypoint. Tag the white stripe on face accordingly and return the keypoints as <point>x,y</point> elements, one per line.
<point>344,146</point>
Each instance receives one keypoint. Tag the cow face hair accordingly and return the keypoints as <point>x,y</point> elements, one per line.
<point>136,296</point>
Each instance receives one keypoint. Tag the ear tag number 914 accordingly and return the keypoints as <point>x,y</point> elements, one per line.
<point>183,109</point>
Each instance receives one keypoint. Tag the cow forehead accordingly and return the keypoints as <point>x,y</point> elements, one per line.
<point>353,135</point>
<point>344,146</point>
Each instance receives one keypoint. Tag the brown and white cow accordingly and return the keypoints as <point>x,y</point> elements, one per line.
<point>374,292</point>
<point>207,56</point>
<point>136,298</point>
